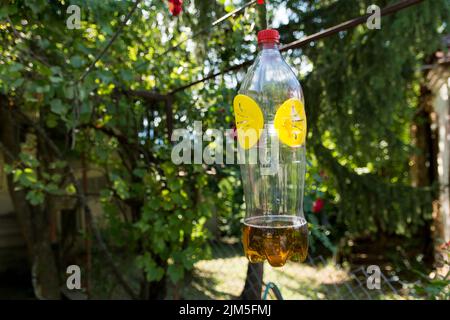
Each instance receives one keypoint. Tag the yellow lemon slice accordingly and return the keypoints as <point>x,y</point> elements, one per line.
<point>249,120</point>
<point>290,122</point>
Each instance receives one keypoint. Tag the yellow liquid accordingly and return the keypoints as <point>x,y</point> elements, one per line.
<point>275,238</point>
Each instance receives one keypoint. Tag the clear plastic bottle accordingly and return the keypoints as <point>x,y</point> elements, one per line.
<point>270,101</point>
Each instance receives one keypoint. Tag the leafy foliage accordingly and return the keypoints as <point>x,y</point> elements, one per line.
<point>360,98</point>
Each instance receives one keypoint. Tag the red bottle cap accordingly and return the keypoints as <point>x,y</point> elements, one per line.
<point>268,36</point>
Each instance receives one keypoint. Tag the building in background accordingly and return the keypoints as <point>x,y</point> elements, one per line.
<point>438,84</point>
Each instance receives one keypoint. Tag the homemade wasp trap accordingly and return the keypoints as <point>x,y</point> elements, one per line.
<point>271,131</point>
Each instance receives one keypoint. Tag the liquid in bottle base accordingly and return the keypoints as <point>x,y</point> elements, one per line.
<point>277,238</point>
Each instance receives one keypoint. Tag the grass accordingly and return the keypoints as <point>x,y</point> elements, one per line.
<point>223,277</point>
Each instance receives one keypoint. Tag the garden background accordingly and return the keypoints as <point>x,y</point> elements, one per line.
<point>86,116</point>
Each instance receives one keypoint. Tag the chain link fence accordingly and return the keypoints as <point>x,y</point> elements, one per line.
<point>223,276</point>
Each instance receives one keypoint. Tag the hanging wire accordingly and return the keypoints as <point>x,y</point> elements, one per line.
<point>276,291</point>
<point>390,9</point>
<point>210,27</point>
<point>29,52</point>
<point>110,42</point>
<point>204,30</point>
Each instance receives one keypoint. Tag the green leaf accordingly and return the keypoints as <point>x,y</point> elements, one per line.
<point>69,91</point>
<point>76,61</point>
<point>56,70</point>
<point>36,5</point>
<point>152,270</point>
<point>35,197</point>
<point>70,189</point>
<point>82,93</point>
<point>17,83</point>
<point>175,272</point>
<point>56,177</point>
<point>17,174</point>
<point>7,169</point>
<point>120,186</point>
<point>58,164</point>
<point>139,172</point>
<point>52,188</point>
<point>7,10</point>
<point>28,178</point>
<point>15,67</point>
<point>58,107</point>
<point>56,79</point>
<point>51,120</point>
<point>126,75</point>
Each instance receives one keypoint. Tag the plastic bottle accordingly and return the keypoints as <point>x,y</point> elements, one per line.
<point>271,126</point>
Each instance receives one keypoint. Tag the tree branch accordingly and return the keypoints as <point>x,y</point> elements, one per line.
<point>390,9</point>
<point>18,36</point>
<point>83,202</point>
<point>146,94</point>
<point>110,42</point>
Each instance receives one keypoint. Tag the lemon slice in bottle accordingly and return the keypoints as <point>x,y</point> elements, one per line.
<point>249,120</point>
<point>290,122</point>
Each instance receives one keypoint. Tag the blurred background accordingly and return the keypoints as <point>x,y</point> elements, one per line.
<point>90,92</point>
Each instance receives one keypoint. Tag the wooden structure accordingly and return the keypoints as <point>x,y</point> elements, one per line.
<point>12,246</point>
<point>438,84</point>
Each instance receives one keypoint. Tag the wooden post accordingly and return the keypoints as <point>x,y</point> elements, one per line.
<point>253,282</point>
<point>438,81</point>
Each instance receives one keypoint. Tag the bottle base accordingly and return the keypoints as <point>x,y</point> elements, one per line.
<point>275,238</point>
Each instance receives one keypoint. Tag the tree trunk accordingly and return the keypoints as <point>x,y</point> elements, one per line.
<point>437,84</point>
<point>253,282</point>
<point>33,220</point>
<point>155,290</point>
<point>424,162</point>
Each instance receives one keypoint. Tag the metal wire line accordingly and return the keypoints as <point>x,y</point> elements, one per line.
<point>215,23</point>
<point>204,30</point>
<point>30,53</point>
<point>390,9</point>
<point>99,55</point>
<point>110,42</point>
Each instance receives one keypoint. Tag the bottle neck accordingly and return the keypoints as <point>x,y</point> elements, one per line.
<point>269,46</point>
<point>269,51</point>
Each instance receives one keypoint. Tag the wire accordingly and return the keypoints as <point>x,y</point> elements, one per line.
<point>214,24</point>
<point>113,38</point>
<point>349,24</point>
<point>204,30</point>
<point>276,291</point>
<point>30,53</point>
<point>302,42</point>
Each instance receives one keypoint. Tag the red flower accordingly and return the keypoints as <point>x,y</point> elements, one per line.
<point>318,205</point>
<point>445,246</point>
<point>234,133</point>
<point>175,7</point>
<point>260,1</point>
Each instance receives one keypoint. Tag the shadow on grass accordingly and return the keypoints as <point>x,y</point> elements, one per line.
<point>202,287</point>
<point>222,250</point>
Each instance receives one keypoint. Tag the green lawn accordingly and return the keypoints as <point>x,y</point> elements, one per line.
<point>223,276</point>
